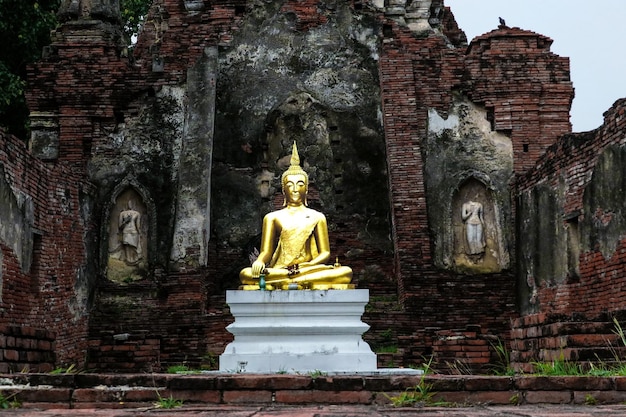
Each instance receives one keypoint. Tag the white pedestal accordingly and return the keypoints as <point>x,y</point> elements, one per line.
<point>297,331</point>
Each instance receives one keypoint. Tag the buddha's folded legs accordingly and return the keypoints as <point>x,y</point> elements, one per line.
<point>316,273</point>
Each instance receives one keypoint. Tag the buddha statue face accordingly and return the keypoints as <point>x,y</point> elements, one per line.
<point>295,181</point>
<point>295,187</point>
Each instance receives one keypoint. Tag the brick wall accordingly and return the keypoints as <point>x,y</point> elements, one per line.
<point>148,326</point>
<point>591,293</point>
<point>526,90</point>
<point>46,300</point>
<point>24,348</point>
<point>466,350</point>
<point>514,75</point>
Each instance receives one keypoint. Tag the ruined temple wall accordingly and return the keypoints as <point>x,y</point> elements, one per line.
<point>435,299</point>
<point>142,147</point>
<point>414,82</point>
<point>107,131</point>
<point>44,291</point>
<point>504,73</point>
<point>74,98</point>
<point>526,88</point>
<point>114,121</point>
<point>579,175</point>
<point>573,200</point>
<point>172,40</point>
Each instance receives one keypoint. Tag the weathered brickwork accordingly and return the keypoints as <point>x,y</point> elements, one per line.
<point>589,293</point>
<point>502,71</point>
<point>165,325</point>
<point>25,348</point>
<point>30,297</point>
<point>89,92</point>
<point>135,391</point>
<point>467,350</point>
<point>545,337</point>
<point>514,75</point>
<point>94,90</point>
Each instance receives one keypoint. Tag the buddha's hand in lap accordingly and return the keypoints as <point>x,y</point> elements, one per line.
<point>257,268</point>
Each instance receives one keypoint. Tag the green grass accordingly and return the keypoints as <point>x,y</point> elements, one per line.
<point>559,367</point>
<point>62,370</point>
<point>9,402</point>
<point>168,402</point>
<point>619,331</point>
<point>503,365</point>
<point>181,369</point>
<point>175,369</point>
<point>590,400</point>
<point>387,349</point>
<point>211,360</point>
<point>419,395</point>
<point>317,373</point>
<point>563,367</point>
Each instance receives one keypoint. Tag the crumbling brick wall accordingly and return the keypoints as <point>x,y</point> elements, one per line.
<point>507,71</point>
<point>579,275</point>
<point>48,296</point>
<point>85,88</point>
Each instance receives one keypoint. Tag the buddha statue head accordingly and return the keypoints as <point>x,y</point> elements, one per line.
<point>294,171</point>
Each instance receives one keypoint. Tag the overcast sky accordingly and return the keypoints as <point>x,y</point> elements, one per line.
<point>591,33</point>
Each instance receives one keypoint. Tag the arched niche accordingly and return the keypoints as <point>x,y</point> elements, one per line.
<point>302,119</point>
<point>476,230</point>
<point>128,234</point>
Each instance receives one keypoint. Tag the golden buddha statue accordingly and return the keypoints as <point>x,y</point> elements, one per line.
<point>294,243</point>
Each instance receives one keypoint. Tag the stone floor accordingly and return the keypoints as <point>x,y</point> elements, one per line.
<point>335,411</point>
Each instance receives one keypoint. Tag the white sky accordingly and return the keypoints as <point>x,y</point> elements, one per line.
<point>591,33</point>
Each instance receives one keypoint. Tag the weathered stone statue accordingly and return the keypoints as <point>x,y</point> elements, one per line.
<point>294,243</point>
<point>472,215</point>
<point>129,227</point>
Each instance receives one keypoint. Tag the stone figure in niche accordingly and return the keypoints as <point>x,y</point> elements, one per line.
<point>472,215</point>
<point>128,238</point>
<point>294,243</point>
<point>129,232</point>
<point>476,234</point>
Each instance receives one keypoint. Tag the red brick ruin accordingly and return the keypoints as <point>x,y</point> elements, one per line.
<point>188,123</point>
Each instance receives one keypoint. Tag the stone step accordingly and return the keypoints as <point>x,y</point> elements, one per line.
<point>45,391</point>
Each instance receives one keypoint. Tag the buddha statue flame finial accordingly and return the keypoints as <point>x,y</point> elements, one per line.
<point>294,167</point>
